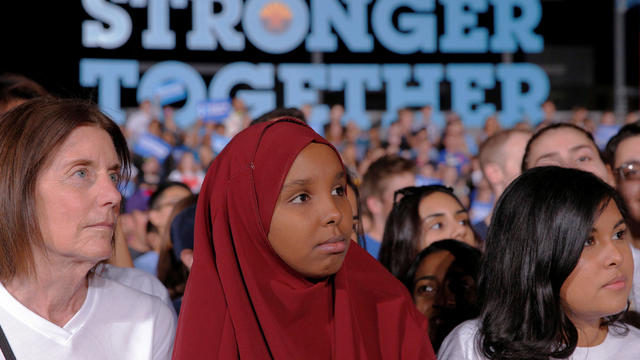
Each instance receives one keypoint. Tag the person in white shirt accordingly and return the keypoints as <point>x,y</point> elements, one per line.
<point>556,275</point>
<point>61,163</point>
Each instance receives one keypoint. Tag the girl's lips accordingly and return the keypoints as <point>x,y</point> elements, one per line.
<point>334,245</point>
<point>617,283</point>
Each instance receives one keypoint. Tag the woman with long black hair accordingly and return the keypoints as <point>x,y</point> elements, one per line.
<point>556,274</point>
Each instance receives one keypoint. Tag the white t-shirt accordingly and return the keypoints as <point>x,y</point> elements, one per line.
<point>634,296</point>
<point>137,280</point>
<point>461,344</point>
<point>115,322</point>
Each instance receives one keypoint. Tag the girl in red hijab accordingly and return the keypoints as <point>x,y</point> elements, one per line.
<point>274,275</point>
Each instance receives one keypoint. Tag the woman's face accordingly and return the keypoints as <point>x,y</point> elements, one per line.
<point>569,148</point>
<point>599,285</point>
<point>443,218</point>
<point>428,280</point>
<point>312,221</point>
<point>77,200</point>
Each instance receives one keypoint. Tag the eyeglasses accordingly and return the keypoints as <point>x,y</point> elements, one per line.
<point>418,191</point>
<point>629,171</point>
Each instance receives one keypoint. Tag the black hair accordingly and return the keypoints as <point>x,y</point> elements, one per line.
<point>538,231</point>
<point>352,181</point>
<point>525,159</point>
<point>153,199</point>
<point>403,229</point>
<point>461,281</point>
<point>627,131</point>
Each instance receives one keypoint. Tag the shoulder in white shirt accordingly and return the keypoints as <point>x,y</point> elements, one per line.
<point>114,322</point>
<point>461,344</point>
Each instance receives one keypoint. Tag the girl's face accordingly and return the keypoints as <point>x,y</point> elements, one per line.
<point>312,221</point>
<point>429,279</point>
<point>599,285</point>
<point>443,218</point>
<point>569,148</point>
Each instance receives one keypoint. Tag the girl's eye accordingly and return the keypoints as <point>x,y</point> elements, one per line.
<point>620,235</point>
<point>300,199</point>
<point>426,290</point>
<point>584,158</point>
<point>339,191</point>
<point>590,241</point>
<point>436,226</point>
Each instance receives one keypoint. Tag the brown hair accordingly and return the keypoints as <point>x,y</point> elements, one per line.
<point>30,135</point>
<point>525,160</point>
<point>491,150</point>
<point>15,89</point>
<point>375,180</point>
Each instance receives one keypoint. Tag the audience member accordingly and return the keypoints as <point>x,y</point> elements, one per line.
<point>566,145</point>
<point>172,272</point>
<point>556,274</point>
<point>161,204</point>
<point>274,275</point>
<point>16,89</point>
<point>443,281</point>
<point>57,229</point>
<point>500,160</point>
<point>383,177</point>
<point>622,153</point>
<point>421,216</point>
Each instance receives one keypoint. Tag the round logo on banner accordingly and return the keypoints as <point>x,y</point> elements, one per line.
<point>276,17</point>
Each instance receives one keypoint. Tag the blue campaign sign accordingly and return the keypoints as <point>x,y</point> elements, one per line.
<point>170,92</point>
<point>214,110</point>
<point>152,146</point>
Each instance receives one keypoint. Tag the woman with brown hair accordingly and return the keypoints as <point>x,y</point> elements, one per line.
<point>61,163</point>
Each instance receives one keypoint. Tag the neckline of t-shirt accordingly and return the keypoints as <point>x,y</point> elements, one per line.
<point>26,316</point>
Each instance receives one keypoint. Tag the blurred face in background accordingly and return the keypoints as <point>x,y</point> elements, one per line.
<point>444,218</point>
<point>429,279</point>
<point>569,148</point>
<point>627,165</point>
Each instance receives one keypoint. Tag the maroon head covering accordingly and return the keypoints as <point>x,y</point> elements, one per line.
<point>243,301</point>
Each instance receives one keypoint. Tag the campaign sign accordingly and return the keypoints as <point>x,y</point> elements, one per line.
<point>152,146</point>
<point>214,110</point>
<point>170,92</point>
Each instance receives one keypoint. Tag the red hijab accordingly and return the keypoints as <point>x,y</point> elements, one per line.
<point>243,301</point>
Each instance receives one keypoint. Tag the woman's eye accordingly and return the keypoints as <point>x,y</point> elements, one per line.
<point>81,173</point>
<point>115,178</point>
<point>584,158</point>
<point>436,226</point>
<point>339,191</point>
<point>300,198</point>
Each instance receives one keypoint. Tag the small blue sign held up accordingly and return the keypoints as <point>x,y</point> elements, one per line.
<point>149,145</point>
<point>214,110</point>
<point>170,92</point>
